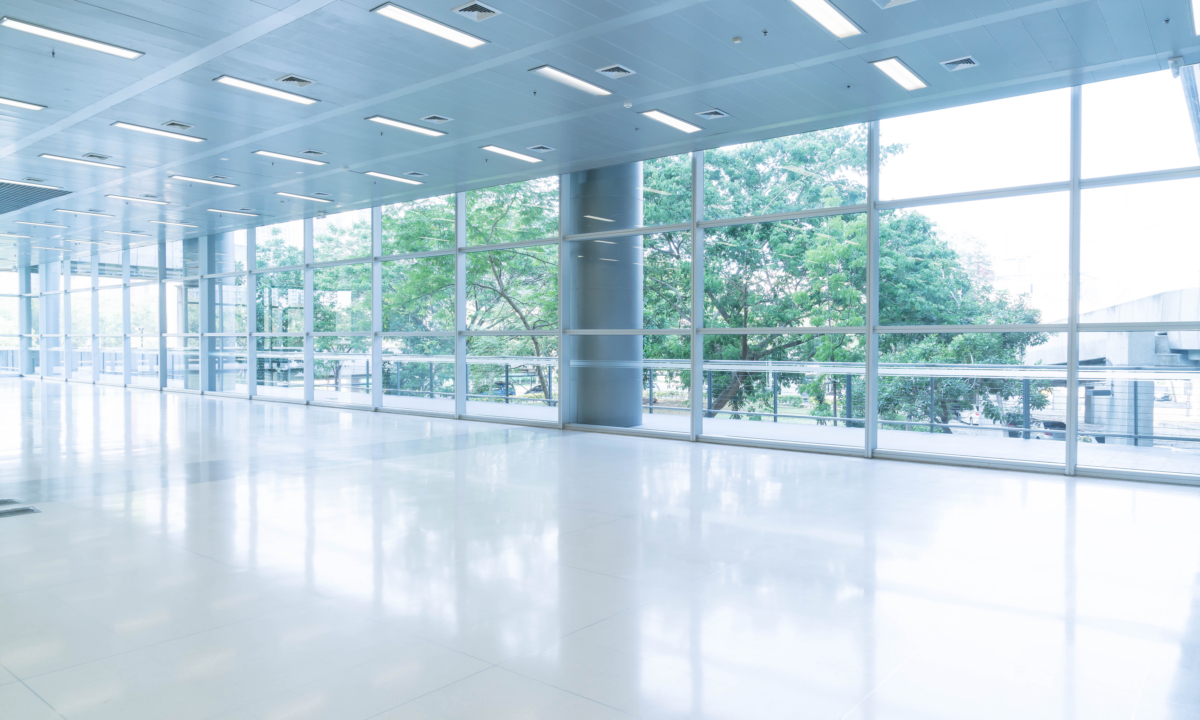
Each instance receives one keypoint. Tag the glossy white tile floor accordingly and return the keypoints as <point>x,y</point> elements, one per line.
<point>216,558</point>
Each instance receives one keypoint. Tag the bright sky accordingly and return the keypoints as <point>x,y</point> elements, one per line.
<point>1136,240</point>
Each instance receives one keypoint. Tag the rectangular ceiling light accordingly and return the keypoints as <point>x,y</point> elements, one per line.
<point>301,197</point>
<point>264,90</point>
<point>70,39</point>
<point>406,126</point>
<point>89,242</point>
<point>420,22</point>
<point>232,212</point>
<point>510,153</point>
<point>119,232</point>
<point>141,200</point>
<point>567,79</point>
<point>218,183</point>
<point>31,184</point>
<point>30,222</point>
<point>156,131</point>
<point>293,158</point>
<point>385,176</point>
<point>21,104</point>
<point>11,235</point>
<point>174,224</point>
<point>898,71</point>
<point>82,212</point>
<point>79,161</point>
<point>829,17</point>
<point>673,121</point>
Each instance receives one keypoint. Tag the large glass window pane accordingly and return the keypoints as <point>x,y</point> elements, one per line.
<point>1023,140</point>
<point>513,377</point>
<point>81,312</point>
<point>786,388</point>
<point>228,296</point>
<point>9,319</point>
<point>418,294</point>
<point>9,281</point>
<point>79,361</point>
<point>33,356</point>
<point>143,361</point>
<point>657,385</point>
<point>418,226</point>
<point>227,364</point>
<point>418,373</point>
<point>112,360</point>
<point>510,213</point>
<point>280,302</point>
<point>990,395</point>
<point>81,274</point>
<point>280,367</point>
<point>666,195</point>
<point>513,289</point>
<point>183,362</point>
<point>183,258</point>
<point>1140,253</point>
<point>279,245</point>
<point>111,312</point>
<point>1138,124</point>
<point>143,263</point>
<point>143,309</point>
<point>976,263</point>
<point>10,355</point>
<point>1137,397</point>
<point>665,267</point>
<point>342,369</point>
<point>787,274</point>
<point>111,268</point>
<point>827,168</point>
<point>342,236</point>
<point>341,299</point>
<point>52,354</point>
<point>227,252</point>
<point>183,306</point>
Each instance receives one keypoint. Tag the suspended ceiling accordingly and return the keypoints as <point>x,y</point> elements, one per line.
<point>786,75</point>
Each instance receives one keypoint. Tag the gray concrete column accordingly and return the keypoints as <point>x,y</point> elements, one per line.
<point>606,294</point>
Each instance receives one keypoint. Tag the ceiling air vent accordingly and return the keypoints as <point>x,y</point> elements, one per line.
<point>322,194</point>
<point>616,72</point>
<point>540,148</point>
<point>33,179</point>
<point>477,11</point>
<point>176,125</point>
<point>961,63</point>
<point>97,156</point>
<point>294,81</point>
<point>436,119</point>
<point>217,177</point>
<point>312,153</point>
<point>414,173</point>
<point>713,114</point>
<point>249,210</point>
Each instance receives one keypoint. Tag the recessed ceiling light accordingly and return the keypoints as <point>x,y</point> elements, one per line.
<point>70,39</point>
<point>385,176</point>
<point>264,90</point>
<point>406,126</point>
<point>89,242</point>
<point>829,17</point>
<point>567,79</point>
<point>119,232</point>
<point>510,153</point>
<point>293,158</point>
<point>60,158</point>
<point>202,181</point>
<point>27,183</point>
<point>420,22</point>
<point>156,131</point>
<point>30,222</point>
<point>898,71</point>
<point>175,224</point>
<point>232,212</point>
<point>673,121</point>
<point>138,199</point>
<point>21,104</point>
<point>302,197</point>
<point>82,212</point>
<point>11,235</point>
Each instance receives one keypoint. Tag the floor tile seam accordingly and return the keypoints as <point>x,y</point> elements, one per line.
<point>565,690</point>
<point>879,684</point>
<point>490,666</point>
<point>39,697</point>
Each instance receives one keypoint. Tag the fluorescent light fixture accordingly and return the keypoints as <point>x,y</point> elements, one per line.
<point>510,153</point>
<point>174,224</point>
<point>406,126</point>
<point>156,131</point>
<point>30,222</point>
<point>293,158</point>
<point>21,104</point>
<point>673,121</point>
<point>385,176</point>
<point>898,71</point>
<point>420,22</point>
<point>80,161</point>
<point>82,212</point>
<point>828,17</point>
<point>70,39</point>
<point>232,212</point>
<point>11,235</point>
<point>141,200</point>
<point>264,90</point>
<point>202,181</point>
<point>89,242</point>
<point>301,197</point>
<point>595,217</point>
<point>567,79</point>
<point>119,232</point>
<point>31,184</point>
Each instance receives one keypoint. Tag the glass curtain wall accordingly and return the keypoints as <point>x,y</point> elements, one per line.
<point>957,285</point>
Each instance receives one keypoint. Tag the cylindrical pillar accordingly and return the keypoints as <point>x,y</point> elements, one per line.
<point>606,294</point>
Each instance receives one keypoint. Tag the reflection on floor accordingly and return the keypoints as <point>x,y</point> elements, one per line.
<point>201,557</point>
